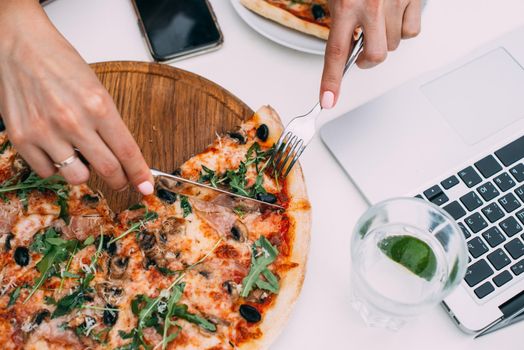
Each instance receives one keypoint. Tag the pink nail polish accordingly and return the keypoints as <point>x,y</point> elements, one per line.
<point>327,100</point>
<point>146,188</point>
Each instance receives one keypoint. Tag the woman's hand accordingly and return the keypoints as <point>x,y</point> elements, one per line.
<point>52,103</point>
<point>384,23</point>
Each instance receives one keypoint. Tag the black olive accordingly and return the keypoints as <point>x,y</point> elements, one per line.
<point>263,132</point>
<point>41,316</point>
<point>88,298</point>
<point>318,11</point>
<point>89,200</point>
<point>110,248</point>
<point>8,238</point>
<point>149,262</point>
<point>110,316</point>
<point>22,256</point>
<point>177,172</point>
<point>166,196</point>
<point>2,126</point>
<point>250,313</point>
<point>267,197</point>
<point>238,136</point>
<point>146,241</point>
<point>235,233</point>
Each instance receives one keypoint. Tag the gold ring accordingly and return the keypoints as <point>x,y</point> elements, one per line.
<point>68,161</point>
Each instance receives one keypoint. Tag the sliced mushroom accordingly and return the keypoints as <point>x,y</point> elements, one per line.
<point>239,231</point>
<point>173,226</point>
<point>231,288</point>
<point>118,266</point>
<point>109,292</point>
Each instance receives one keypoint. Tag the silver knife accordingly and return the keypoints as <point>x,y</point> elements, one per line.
<point>208,193</point>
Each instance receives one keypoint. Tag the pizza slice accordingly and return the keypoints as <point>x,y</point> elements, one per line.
<point>308,16</point>
<point>171,272</point>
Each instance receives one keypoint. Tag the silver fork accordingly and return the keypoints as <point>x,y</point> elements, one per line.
<point>301,129</point>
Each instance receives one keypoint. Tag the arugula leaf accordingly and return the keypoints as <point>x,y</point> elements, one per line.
<point>137,340</point>
<point>174,298</point>
<point>55,183</point>
<point>180,311</point>
<point>14,296</point>
<point>148,216</point>
<point>137,206</point>
<point>185,205</point>
<point>4,146</point>
<point>262,255</point>
<point>56,251</point>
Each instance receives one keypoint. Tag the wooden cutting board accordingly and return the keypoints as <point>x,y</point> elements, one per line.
<point>173,114</point>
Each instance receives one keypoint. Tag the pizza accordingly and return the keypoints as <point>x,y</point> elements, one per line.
<point>307,16</point>
<point>170,272</point>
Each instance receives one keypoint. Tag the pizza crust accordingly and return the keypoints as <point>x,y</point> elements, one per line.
<point>286,18</point>
<point>299,213</point>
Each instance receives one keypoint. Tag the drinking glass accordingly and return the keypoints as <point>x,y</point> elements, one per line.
<point>407,255</point>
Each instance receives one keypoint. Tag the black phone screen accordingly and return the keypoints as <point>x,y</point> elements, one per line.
<point>174,27</point>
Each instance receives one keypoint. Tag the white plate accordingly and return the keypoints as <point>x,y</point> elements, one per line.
<point>279,33</point>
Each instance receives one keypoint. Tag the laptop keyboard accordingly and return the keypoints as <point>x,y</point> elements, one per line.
<point>487,201</point>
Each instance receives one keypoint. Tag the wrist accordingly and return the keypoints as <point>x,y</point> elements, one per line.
<point>19,18</point>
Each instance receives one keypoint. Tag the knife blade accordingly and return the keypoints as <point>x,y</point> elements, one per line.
<point>209,193</point>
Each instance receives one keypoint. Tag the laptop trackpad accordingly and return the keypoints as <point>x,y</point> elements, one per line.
<point>481,97</point>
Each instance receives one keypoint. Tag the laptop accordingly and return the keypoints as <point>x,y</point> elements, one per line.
<point>454,137</point>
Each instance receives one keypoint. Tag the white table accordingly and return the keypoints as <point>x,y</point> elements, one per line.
<point>259,71</point>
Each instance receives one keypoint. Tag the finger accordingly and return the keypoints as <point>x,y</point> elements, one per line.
<point>103,161</point>
<point>119,140</point>
<point>412,19</point>
<point>37,160</point>
<point>59,150</point>
<point>337,51</point>
<point>394,12</point>
<point>375,43</point>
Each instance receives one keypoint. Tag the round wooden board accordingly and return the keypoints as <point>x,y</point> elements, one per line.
<point>173,114</point>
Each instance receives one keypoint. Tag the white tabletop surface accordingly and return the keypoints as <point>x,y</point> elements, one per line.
<point>259,72</point>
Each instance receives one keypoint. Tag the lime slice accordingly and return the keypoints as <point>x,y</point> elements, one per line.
<point>412,253</point>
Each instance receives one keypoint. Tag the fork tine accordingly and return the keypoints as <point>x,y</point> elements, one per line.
<point>294,160</point>
<point>279,147</point>
<point>284,149</point>
<point>291,153</point>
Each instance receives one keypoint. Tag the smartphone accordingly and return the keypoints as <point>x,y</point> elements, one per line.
<point>174,29</point>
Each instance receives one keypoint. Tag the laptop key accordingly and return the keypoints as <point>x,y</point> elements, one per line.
<point>515,248</point>
<point>511,153</point>
<point>471,201</point>
<point>455,210</point>
<point>518,268</point>
<point>464,230</point>
<point>476,223</point>
<point>478,272</point>
<point>432,192</point>
<point>509,202</point>
<point>449,182</point>
<point>488,166</point>
<point>518,172</point>
<point>484,290</point>
<point>477,247</point>
<point>520,215</point>
<point>493,236</point>
<point>499,259</point>
<point>510,226</point>
<point>504,182</point>
<point>488,191</point>
<point>470,177</point>
<point>440,199</point>
<point>502,278</point>
<point>520,192</point>
<point>493,212</point>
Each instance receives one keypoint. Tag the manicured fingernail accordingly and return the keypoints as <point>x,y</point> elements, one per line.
<point>327,100</point>
<point>146,188</point>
